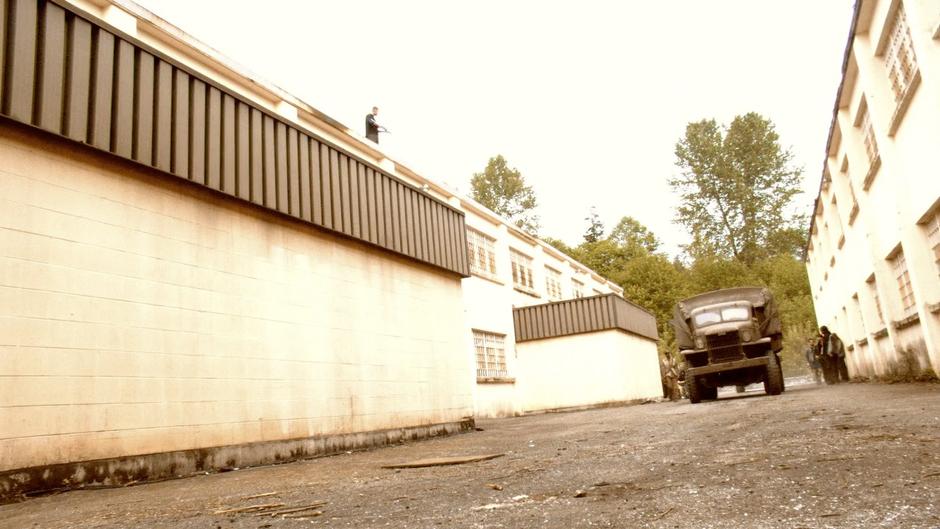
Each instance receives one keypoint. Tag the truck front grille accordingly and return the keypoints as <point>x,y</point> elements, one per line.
<point>724,347</point>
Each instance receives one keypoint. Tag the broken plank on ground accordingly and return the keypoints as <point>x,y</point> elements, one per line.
<point>443,461</point>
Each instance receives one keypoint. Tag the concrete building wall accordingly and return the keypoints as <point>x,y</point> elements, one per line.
<point>139,314</point>
<point>587,369</point>
<point>871,210</point>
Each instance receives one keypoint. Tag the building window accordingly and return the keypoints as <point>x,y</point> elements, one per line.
<point>838,231</point>
<point>482,254</point>
<point>868,137</point>
<point>553,283</point>
<point>933,238</point>
<point>908,304</point>
<point>900,59</point>
<point>857,306</point>
<point>854,211</point>
<point>522,271</point>
<point>491,354</point>
<point>873,291</point>
<point>577,289</point>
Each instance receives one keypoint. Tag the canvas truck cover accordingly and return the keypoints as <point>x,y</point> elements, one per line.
<point>757,296</point>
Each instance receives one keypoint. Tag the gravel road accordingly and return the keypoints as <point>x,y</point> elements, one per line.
<point>854,455</point>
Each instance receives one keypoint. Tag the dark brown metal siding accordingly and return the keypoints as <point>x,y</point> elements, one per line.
<point>583,315</point>
<point>73,75</point>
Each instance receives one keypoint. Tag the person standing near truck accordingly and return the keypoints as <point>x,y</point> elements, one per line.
<point>814,365</point>
<point>833,357</point>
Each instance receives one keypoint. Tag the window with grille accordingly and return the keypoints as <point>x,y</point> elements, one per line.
<point>480,249</point>
<point>854,211</point>
<point>868,136</point>
<point>491,354</point>
<point>838,232</point>
<point>577,288</point>
<point>908,304</point>
<point>933,238</point>
<point>873,291</point>
<point>553,283</point>
<point>522,271</point>
<point>899,58</point>
<point>860,321</point>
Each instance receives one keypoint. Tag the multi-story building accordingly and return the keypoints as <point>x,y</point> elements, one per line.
<point>873,255</point>
<point>200,270</point>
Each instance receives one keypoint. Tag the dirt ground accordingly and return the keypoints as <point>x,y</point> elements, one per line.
<point>855,455</point>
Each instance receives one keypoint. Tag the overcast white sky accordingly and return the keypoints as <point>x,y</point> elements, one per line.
<point>586,98</point>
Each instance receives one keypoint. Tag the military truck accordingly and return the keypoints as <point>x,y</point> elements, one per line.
<point>729,337</point>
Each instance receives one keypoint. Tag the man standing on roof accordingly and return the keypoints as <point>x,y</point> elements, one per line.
<point>372,126</point>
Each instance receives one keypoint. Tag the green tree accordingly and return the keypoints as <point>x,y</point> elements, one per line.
<point>503,189</point>
<point>595,230</point>
<point>560,245</point>
<point>735,185</point>
<point>604,256</point>
<point>629,232</point>
<point>654,282</point>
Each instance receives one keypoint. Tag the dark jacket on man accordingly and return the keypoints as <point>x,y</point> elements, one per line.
<point>372,128</point>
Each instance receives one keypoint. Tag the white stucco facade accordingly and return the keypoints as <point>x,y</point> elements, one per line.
<point>874,252</point>
<point>590,369</point>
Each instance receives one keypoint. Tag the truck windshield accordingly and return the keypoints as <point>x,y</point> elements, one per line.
<point>709,317</point>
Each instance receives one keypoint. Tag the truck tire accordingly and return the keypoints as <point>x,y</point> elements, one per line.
<point>693,389</point>
<point>783,385</point>
<point>773,379</point>
<point>709,393</point>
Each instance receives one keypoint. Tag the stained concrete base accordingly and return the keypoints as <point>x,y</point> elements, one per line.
<point>15,484</point>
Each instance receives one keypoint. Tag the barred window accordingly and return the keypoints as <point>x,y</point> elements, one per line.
<point>868,136</point>
<point>873,291</point>
<point>854,211</point>
<point>933,238</point>
<point>577,288</point>
<point>491,354</point>
<point>908,303</point>
<point>900,59</point>
<point>522,271</point>
<point>860,321</point>
<point>480,248</point>
<point>553,283</point>
<point>838,231</point>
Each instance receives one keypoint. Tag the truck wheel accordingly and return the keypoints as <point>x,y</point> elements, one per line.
<point>692,389</point>
<point>773,379</point>
<point>783,385</point>
<point>709,393</point>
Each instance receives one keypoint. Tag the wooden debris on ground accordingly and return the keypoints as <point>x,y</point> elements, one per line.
<point>443,461</point>
<point>250,508</point>
<point>296,509</point>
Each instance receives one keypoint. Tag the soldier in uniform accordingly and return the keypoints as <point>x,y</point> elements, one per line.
<point>813,361</point>
<point>832,357</point>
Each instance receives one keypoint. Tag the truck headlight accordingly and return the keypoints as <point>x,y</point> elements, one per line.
<point>699,342</point>
<point>747,334</point>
